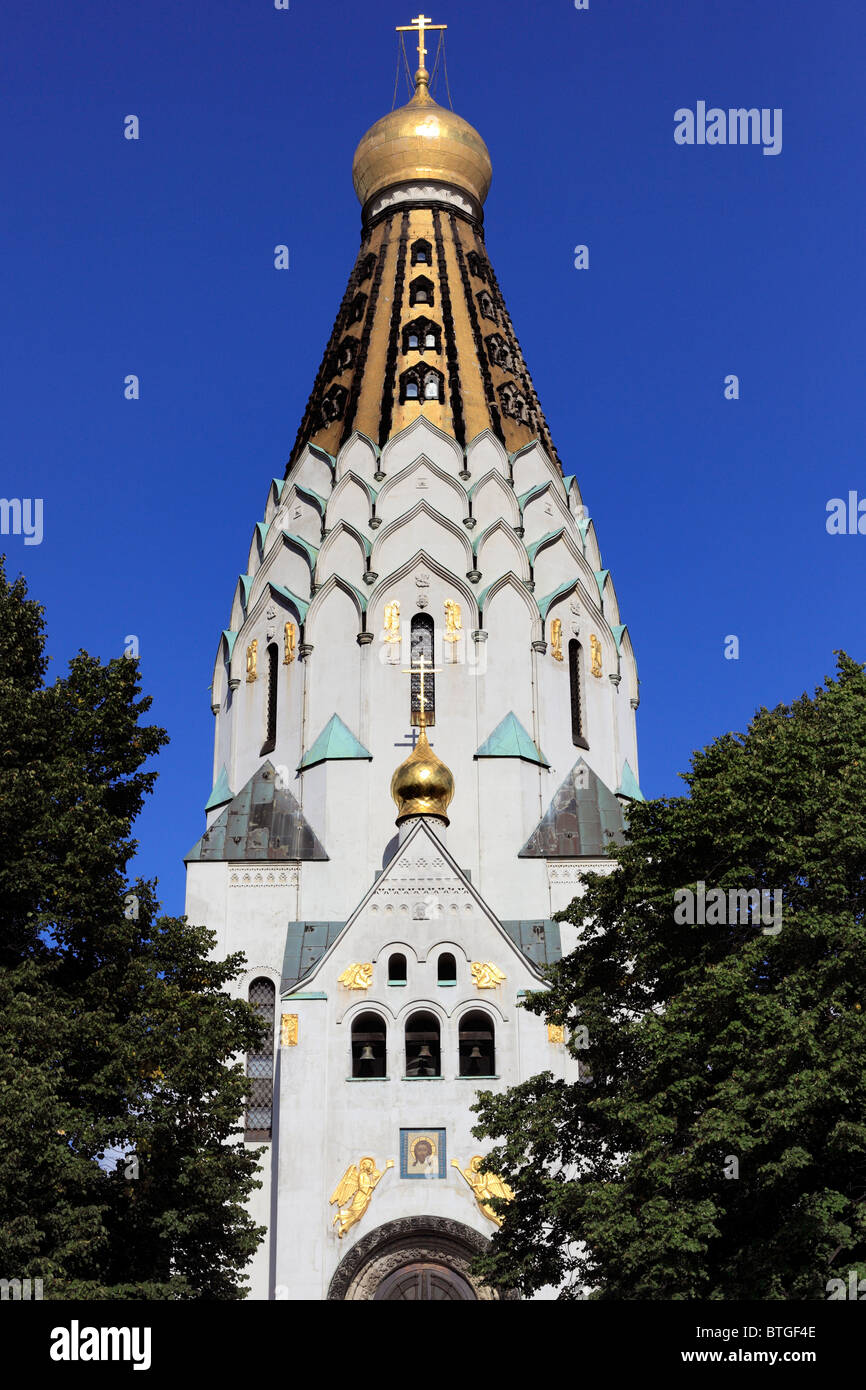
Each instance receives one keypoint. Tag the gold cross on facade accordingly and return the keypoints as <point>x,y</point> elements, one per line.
<point>420,26</point>
<point>421,670</point>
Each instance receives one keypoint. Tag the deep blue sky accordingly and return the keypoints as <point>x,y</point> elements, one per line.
<point>156,258</point>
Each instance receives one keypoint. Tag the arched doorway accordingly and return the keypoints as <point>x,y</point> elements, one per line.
<point>424,1280</point>
<point>425,1258</point>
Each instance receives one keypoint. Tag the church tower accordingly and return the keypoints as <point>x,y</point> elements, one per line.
<point>425,591</point>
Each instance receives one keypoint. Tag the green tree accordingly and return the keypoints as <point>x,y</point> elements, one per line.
<point>711,1049</point>
<point>115,1030</point>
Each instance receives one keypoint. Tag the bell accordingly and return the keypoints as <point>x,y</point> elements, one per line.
<point>367,1053</point>
<point>475,1053</point>
<point>425,1053</point>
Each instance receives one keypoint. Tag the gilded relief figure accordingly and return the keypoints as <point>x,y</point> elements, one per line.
<point>595,655</point>
<point>556,638</point>
<point>485,975</point>
<point>392,621</point>
<point>354,1192</point>
<point>252,658</point>
<point>357,976</point>
<point>453,621</point>
<point>290,641</point>
<point>288,1030</point>
<point>556,1032</point>
<point>485,1186</point>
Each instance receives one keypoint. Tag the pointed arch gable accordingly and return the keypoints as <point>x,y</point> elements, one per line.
<point>333,581</point>
<point>290,563</point>
<point>392,531</point>
<point>421,436</point>
<point>352,498</point>
<point>332,543</point>
<point>499,551</point>
<point>488,598</point>
<point>533,506</point>
<point>492,497</point>
<point>359,455</point>
<point>487,452</point>
<point>383,590</point>
<point>531,466</point>
<point>419,464</point>
<point>315,468</point>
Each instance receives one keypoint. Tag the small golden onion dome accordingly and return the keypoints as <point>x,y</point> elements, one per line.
<point>422,785</point>
<point>422,140</point>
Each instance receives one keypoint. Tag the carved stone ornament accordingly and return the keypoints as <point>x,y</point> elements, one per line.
<point>485,975</point>
<point>354,1192</point>
<point>357,976</point>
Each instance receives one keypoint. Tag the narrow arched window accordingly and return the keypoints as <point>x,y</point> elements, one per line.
<point>422,1045</point>
<point>368,1046</point>
<point>422,646</point>
<point>271,726</point>
<point>430,340</point>
<point>411,390</point>
<point>411,341</point>
<point>420,290</point>
<point>397,969</point>
<point>476,1041</point>
<point>447,969</point>
<point>422,252</point>
<point>260,1067</point>
<point>575,673</point>
<point>431,388</point>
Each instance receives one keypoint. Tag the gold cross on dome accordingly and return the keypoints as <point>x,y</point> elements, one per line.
<point>420,26</point>
<point>421,670</point>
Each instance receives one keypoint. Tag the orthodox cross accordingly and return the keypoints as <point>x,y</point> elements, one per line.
<point>421,670</point>
<point>420,26</point>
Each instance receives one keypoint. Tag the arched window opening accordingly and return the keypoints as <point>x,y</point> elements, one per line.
<point>447,972</point>
<point>476,266</point>
<point>420,290</point>
<point>260,1067</point>
<point>485,304</point>
<point>369,1053</point>
<point>476,1041</point>
<point>422,383</point>
<point>357,307</point>
<point>422,645</point>
<point>411,390</point>
<point>421,334</point>
<point>271,726</point>
<point>422,1045</point>
<point>397,969</point>
<point>575,672</point>
<point>422,252</point>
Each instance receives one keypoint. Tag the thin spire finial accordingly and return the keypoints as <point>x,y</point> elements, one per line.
<point>421,25</point>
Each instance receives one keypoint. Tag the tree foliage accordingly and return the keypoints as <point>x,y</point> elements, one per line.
<point>116,1035</point>
<point>708,1043</point>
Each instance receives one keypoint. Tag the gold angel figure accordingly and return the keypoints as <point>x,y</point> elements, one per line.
<point>485,1186</point>
<point>556,638</point>
<point>453,621</point>
<point>354,1192</point>
<point>392,621</point>
<point>595,651</point>
<point>290,641</point>
<point>485,975</point>
<point>357,976</point>
<point>252,658</point>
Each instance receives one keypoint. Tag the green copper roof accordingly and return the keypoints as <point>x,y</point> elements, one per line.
<point>618,629</point>
<point>532,492</point>
<point>246,583</point>
<point>567,482</point>
<point>544,604</point>
<point>300,605</point>
<point>222,792</point>
<point>304,491</point>
<point>310,551</point>
<point>583,525</point>
<point>581,820</point>
<point>264,821</point>
<point>231,638</point>
<point>533,549</point>
<point>629,787</point>
<point>600,579</point>
<point>335,741</point>
<point>262,530</point>
<point>279,484</point>
<point>510,740</point>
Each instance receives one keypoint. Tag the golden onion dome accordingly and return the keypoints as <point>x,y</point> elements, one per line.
<point>422,785</point>
<point>422,140</point>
